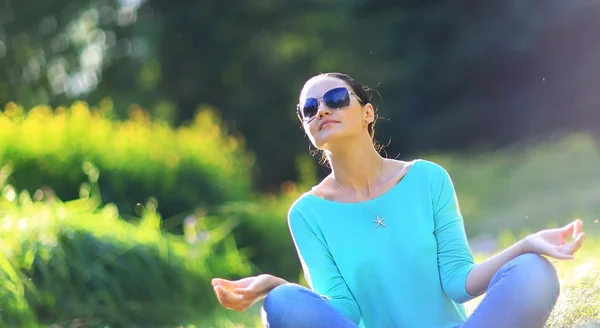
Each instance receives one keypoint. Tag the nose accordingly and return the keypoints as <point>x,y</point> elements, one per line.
<point>323,110</point>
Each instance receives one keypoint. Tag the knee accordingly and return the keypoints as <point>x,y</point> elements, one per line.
<point>538,268</point>
<point>539,276</point>
<point>282,294</point>
<point>282,304</point>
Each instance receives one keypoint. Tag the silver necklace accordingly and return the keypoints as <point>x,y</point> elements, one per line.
<point>378,220</point>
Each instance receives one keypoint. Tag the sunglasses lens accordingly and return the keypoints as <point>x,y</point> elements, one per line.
<point>337,98</point>
<point>310,108</point>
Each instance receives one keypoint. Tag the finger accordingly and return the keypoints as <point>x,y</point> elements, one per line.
<point>575,245</point>
<point>218,281</point>
<point>229,285</point>
<point>230,301</point>
<point>245,292</point>
<point>219,294</point>
<point>567,229</point>
<point>570,230</point>
<point>226,294</point>
<point>577,228</point>
<point>222,294</point>
<point>240,291</point>
<point>557,252</point>
<point>571,248</point>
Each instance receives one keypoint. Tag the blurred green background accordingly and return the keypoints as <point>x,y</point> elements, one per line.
<point>147,146</point>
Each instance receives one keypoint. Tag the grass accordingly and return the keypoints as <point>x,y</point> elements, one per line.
<point>503,190</point>
<point>578,305</point>
<point>78,264</point>
<point>579,302</point>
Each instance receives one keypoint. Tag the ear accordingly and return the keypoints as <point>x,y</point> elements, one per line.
<point>369,113</point>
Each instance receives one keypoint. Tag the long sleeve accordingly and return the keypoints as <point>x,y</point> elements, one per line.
<point>320,269</point>
<point>455,259</point>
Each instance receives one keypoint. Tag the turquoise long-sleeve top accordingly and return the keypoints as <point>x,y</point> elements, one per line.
<point>411,273</point>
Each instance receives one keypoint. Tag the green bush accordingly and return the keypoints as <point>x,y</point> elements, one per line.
<point>263,231</point>
<point>263,235</point>
<point>183,169</point>
<point>77,262</point>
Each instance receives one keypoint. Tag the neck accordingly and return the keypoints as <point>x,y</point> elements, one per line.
<point>357,166</point>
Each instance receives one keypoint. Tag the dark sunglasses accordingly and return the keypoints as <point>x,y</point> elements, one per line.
<point>336,98</point>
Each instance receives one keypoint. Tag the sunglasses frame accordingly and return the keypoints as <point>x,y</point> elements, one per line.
<point>320,100</point>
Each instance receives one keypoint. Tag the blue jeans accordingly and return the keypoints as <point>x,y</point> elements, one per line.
<point>521,294</point>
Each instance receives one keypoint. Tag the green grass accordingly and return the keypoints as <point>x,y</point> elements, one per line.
<point>528,187</point>
<point>63,263</point>
<point>578,305</point>
<point>579,302</point>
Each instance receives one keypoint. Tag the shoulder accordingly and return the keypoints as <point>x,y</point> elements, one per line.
<point>423,167</point>
<point>306,210</point>
<point>300,217</point>
<point>431,168</point>
<point>432,173</point>
<point>429,165</point>
<point>297,210</point>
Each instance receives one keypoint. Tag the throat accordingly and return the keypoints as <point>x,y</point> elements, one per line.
<point>361,182</point>
<point>345,191</point>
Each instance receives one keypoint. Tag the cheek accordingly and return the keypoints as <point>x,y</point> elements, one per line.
<point>354,121</point>
<point>312,134</point>
<point>311,128</point>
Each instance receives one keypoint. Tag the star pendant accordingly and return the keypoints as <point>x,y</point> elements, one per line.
<point>379,222</point>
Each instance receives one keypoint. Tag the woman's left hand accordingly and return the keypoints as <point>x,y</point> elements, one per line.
<point>553,242</point>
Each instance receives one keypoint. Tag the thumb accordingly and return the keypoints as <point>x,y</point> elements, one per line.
<point>574,245</point>
<point>577,228</point>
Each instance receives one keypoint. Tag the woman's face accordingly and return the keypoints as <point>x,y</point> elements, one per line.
<point>322,123</point>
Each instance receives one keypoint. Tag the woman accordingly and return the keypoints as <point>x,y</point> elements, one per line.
<point>382,242</point>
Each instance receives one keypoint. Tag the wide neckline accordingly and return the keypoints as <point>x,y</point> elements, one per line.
<point>372,200</point>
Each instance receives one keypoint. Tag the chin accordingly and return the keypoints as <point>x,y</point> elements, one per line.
<point>326,138</point>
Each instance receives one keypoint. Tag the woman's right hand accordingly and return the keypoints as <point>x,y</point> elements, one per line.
<point>241,294</point>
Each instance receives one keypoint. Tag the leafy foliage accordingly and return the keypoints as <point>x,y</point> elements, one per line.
<point>78,263</point>
<point>263,231</point>
<point>140,158</point>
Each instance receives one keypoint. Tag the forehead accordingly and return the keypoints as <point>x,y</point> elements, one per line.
<point>318,85</point>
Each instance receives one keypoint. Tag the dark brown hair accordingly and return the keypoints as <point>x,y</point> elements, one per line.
<point>363,94</point>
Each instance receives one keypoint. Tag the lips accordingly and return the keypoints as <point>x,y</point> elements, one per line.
<point>327,122</point>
